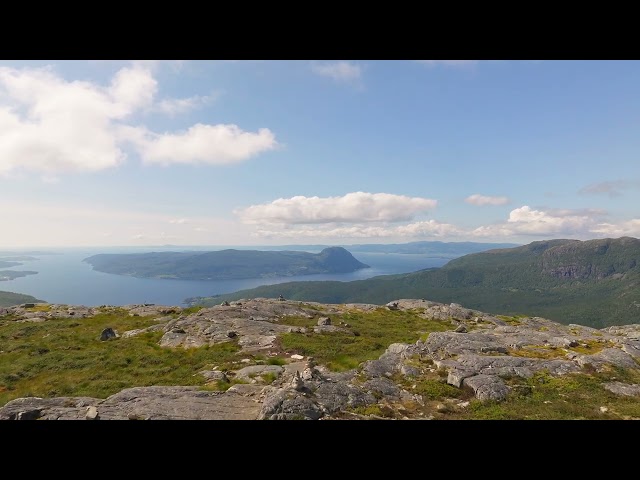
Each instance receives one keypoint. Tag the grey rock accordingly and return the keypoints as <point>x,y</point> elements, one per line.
<point>456,376</point>
<point>619,388</point>
<point>258,370</point>
<point>409,371</point>
<point>324,321</point>
<point>108,334</point>
<point>214,376</point>
<point>381,387</point>
<point>392,305</point>
<point>461,329</point>
<point>290,405</point>
<point>487,387</point>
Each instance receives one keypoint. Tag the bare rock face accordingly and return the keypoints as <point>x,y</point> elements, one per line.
<point>253,322</point>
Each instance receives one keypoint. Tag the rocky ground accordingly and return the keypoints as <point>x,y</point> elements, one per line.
<point>478,356</point>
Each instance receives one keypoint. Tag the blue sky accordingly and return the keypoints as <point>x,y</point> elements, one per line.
<point>332,152</point>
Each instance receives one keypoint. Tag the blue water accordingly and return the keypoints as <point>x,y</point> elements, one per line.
<point>65,278</point>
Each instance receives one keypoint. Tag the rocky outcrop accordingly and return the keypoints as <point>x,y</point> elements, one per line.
<point>478,355</point>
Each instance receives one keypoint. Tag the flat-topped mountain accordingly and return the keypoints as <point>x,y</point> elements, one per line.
<point>594,282</point>
<point>226,264</point>
<point>281,359</point>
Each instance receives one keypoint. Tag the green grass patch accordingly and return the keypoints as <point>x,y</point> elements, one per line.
<point>298,321</point>
<point>63,357</point>
<point>39,307</point>
<point>568,397</point>
<point>511,320</point>
<point>276,361</point>
<point>537,351</point>
<point>436,389</point>
<point>377,330</point>
<point>191,310</point>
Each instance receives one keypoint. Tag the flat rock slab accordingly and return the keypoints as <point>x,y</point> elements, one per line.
<point>142,403</point>
<point>619,388</point>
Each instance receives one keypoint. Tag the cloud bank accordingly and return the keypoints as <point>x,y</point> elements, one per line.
<point>50,125</point>
<point>355,207</point>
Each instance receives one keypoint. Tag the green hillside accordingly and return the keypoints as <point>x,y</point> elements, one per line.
<point>226,264</point>
<point>595,282</point>
<point>8,299</point>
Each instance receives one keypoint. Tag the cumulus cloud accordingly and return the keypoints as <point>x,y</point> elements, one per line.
<point>340,71</point>
<point>50,125</point>
<point>481,200</point>
<point>208,144</point>
<point>612,188</point>
<point>178,221</point>
<point>352,207</point>
<point>448,63</point>
<point>528,221</point>
<point>630,228</point>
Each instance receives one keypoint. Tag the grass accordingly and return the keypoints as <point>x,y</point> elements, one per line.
<point>63,357</point>
<point>40,307</point>
<point>299,321</point>
<point>191,310</point>
<point>377,330</point>
<point>511,320</point>
<point>573,396</point>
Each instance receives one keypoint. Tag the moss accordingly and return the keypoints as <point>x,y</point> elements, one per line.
<point>64,357</point>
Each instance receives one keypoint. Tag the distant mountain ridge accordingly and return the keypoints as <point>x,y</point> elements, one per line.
<point>594,282</point>
<point>226,264</point>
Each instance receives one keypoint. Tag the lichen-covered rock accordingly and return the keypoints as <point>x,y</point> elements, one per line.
<point>619,388</point>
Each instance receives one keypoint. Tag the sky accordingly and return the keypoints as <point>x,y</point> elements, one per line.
<point>106,153</point>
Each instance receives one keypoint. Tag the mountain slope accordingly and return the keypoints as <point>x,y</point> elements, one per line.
<point>226,264</point>
<point>595,282</point>
<point>8,299</point>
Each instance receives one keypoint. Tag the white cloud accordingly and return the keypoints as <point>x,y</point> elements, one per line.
<point>630,228</point>
<point>549,222</point>
<point>427,229</point>
<point>50,125</point>
<point>133,88</point>
<point>481,200</point>
<point>449,63</point>
<point>208,144</point>
<point>178,221</point>
<point>352,207</point>
<point>339,71</point>
<point>176,106</point>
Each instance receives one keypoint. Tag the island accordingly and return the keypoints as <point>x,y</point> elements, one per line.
<point>230,264</point>
<point>6,275</point>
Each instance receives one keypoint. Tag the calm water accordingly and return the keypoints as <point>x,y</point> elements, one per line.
<point>65,278</point>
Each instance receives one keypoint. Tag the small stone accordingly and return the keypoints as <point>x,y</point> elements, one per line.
<point>324,321</point>
<point>107,334</point>
<point>245,360</point>
<point>297,357</point>
<point>461,329</point>
<point>442,408</point>
<point>232,334</point>
<point>92,413</point>
<point>604,409</point>
<point>392,305</point>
